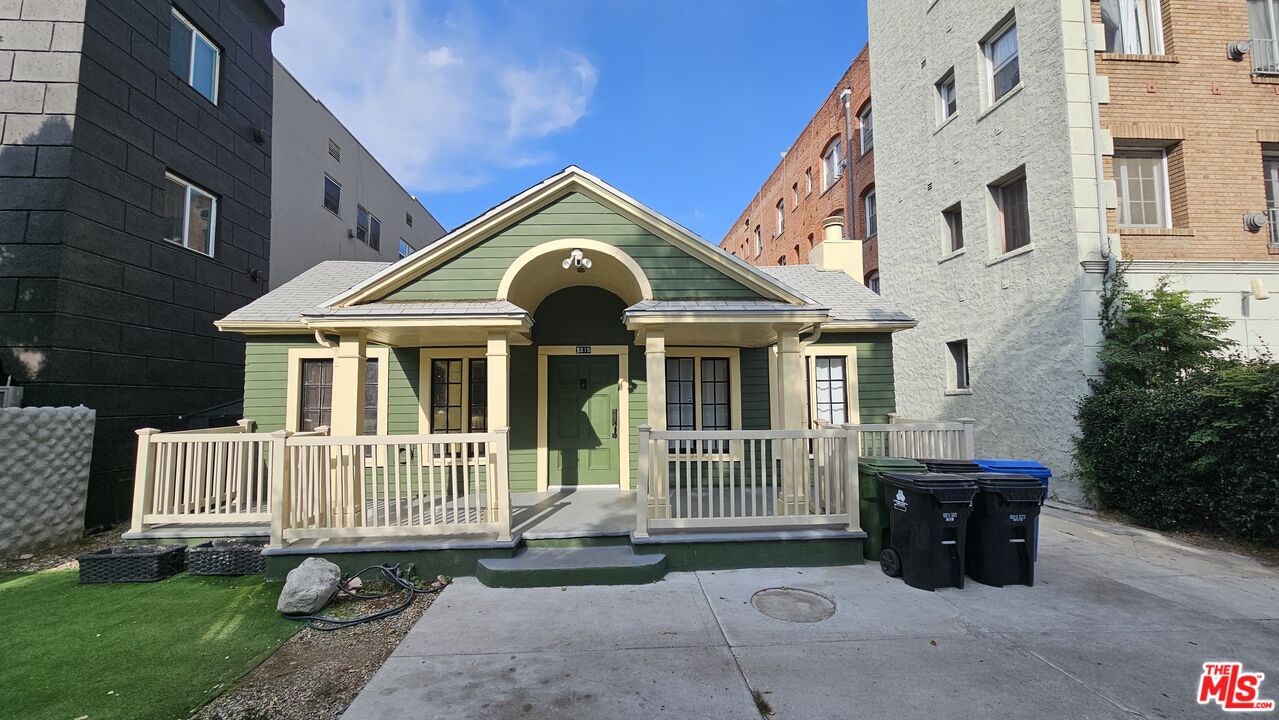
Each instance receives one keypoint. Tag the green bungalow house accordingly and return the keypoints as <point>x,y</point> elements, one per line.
<point>568,368</point>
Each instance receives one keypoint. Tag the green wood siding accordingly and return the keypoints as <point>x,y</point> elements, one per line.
<point>874,372</point>
<point>756,414</point>
<point>266,377</point>
<point>476,274</point>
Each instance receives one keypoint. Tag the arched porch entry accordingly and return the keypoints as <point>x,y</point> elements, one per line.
<point>577,390</point>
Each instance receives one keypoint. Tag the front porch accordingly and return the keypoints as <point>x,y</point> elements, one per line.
<point>315,494</point>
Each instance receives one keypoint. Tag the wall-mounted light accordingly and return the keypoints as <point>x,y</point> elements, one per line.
<point>577,261</point>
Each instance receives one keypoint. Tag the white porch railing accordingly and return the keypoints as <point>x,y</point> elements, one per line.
<point>389,485</point>
<point>917,439</point>
<point>745,479</point>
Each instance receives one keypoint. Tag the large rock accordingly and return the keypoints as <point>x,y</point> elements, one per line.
<point>308,587</point>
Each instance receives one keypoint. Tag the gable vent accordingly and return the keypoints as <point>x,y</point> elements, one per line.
<point>335,151</point>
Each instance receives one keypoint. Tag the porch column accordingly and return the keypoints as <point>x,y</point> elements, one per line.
<point>655,384</point>
<point>348,385</point>
<point>499,364</point>
<point>791,394</point>
<point>498,358</point>
<point>347,413</point>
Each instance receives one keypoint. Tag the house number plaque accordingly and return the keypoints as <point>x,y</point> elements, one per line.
<point>583,349</point>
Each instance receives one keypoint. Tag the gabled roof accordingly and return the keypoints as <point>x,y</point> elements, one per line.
<point>850,302</point>
<point>570,179</point>
<point>304,293</point>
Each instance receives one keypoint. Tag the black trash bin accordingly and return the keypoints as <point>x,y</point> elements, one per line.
<point>953,467</point>
<point>927,514</point>
<point>1001,530</point>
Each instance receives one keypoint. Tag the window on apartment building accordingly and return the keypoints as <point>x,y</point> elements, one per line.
<point>794,196</point>
<point>332,195</point>
<point>830,388</point>
<point>759,242</point>
<point>408,219</point>
<point>1263,21</point>
<point>947,101</point>
<point>368,229</point>
<point>458,383</point>
<point>808,181</point>
<point>781,216</point>
<point>872,214</point>
<point>405,249</point>
<point>190,215</point>
<point>872,281</point>
<point>867,121</point>
<point>193,56</point>
<point>958,376</point>
<point>1141,181</point>
<point>1003,64</point>
<point>781,259</point>
<point>335,152</point>
<point>1012,211</point>
<point>1271,166</point>
<point>832,164</point>
<point>1134,27</point>
<point>952,220</point>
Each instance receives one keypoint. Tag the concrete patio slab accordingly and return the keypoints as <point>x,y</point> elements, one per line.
<point>675,683</point>
<point>469,618</point>
<point>982,678</point>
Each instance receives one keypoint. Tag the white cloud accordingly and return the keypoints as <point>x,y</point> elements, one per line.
<point>441,101</point>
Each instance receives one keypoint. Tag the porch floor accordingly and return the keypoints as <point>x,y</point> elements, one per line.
<point>572,513</point>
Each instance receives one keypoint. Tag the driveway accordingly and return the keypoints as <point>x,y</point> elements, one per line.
<point>1117,626</point>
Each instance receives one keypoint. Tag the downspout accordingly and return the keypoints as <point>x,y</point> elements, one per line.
<point>851,226</point>
<point>1098,163</point>
<point>323,339</point>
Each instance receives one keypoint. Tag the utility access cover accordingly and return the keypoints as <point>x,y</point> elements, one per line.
<point>793,604</point>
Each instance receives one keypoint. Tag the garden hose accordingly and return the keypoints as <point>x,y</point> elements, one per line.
<point>391,573</point>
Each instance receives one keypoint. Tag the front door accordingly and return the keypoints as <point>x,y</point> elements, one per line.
<point>582,419</point>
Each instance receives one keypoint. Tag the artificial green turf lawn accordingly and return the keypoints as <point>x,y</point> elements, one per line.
<point>137,651</point>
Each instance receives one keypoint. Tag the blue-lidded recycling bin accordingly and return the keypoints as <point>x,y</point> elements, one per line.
<point>1032,468</point>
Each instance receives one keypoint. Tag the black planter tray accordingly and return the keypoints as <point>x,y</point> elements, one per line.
<point>139,563</point>
<point>226,557</point>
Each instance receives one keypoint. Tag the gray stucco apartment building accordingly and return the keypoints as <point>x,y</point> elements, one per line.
<point>135,208</point>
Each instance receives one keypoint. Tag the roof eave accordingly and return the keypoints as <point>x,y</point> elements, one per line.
<point>261,327</point>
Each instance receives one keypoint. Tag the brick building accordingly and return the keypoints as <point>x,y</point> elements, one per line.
<point>784,221</point>
<point>135,208</point>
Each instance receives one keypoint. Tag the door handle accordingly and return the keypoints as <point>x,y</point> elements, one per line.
<point>614,423</point>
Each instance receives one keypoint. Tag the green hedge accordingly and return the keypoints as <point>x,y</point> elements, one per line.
<point>1179,439</point>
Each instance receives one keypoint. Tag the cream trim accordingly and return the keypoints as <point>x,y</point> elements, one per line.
<point>623,354</point>
<point>262,327</point>
<point>571,179</point>
<point>852,391</point>
<point>643,287</point>
<point>425,356</point>
<point>293,393</point>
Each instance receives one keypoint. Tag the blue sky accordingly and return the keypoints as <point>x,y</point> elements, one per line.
<point>684,105</point>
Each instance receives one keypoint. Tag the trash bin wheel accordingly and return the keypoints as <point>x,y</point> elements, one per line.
<point>890,562</point>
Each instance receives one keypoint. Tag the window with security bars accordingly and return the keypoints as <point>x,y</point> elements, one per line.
<point>316,408</point>
<point>830,389</point>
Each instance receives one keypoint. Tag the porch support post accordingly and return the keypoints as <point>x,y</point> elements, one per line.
<point>655,384</point>
<point>349,360</point>
<point>791,385</point>
<point>970,438</point>
<point>348,385</point>
<point>852,488</point>
<point>498,359</point>
<point>280,487</point>
<point>143,478</point>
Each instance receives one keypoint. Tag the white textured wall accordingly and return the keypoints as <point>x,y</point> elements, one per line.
<point>44,476</point>
<point>1023,316</point>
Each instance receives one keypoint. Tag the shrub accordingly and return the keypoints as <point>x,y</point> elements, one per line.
<point>1179,433</point>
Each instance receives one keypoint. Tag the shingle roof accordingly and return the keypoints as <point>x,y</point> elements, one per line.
<point>441,308</point>
<point>306,291</point>
<point>848,300</point>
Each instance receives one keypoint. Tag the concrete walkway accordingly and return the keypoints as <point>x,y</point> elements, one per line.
<point>1117,626</point>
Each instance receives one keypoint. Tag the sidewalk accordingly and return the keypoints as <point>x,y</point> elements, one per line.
<point>1117,626</point>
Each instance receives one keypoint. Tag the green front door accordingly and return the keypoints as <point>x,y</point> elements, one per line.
<point>582,419</point>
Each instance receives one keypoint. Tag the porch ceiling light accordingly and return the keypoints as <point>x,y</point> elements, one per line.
<point>578,261</point>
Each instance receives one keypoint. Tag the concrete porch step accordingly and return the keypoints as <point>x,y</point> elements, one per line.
<point>555,566</point>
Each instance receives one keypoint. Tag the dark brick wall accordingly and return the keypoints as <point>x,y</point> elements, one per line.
<point>95,307</point>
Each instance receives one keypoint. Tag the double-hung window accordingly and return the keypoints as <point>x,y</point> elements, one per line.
<point>1013,211</point>
<point>1141,179</point>
<point>193,56</point>
<point>1271,167</point>
<point>405,249</point>
<point>959,377</point>
<point>953,227</point>
<point>1263,20</point>
<point>759,242</point>
<point>781,216</point>
<point>808,181</point>
<point>332,195</point>
<point>872,215</point>
<point>832,164</point>
<point>190,215</point>
<point>947,100</point>
<point>831,389</point>
<point>1133,27</point>
<point>867,120</point>
<point>368,229</point>
<point>1003,62</point>
<point>459,395</point>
